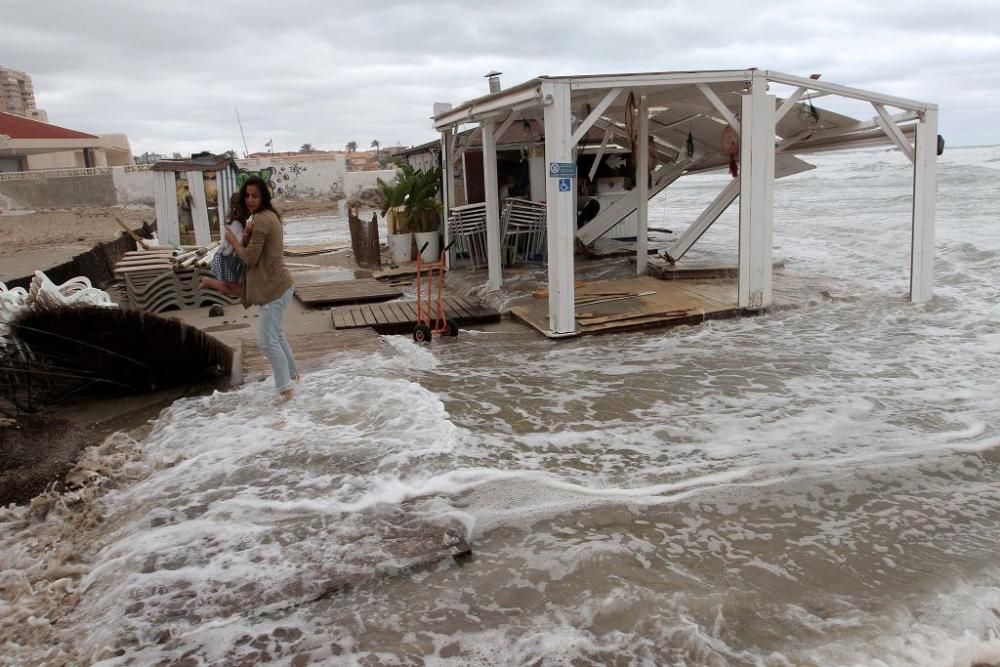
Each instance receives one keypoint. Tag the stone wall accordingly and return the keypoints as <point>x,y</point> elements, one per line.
<point>82,187</point>
<point>289,178</point>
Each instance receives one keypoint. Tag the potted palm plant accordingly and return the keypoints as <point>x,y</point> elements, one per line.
<point>423,212</point>
<point>393,209</point>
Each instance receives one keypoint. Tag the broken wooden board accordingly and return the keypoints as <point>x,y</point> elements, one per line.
<point>310,350</point>
<point>314,249</point>
<point>670,303</point>
<point>406,269</point>
<point>345,291</point>
<point>399,317</point>
<point>659,267</point>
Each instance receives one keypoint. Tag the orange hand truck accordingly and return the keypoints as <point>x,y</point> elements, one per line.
<point>430,315</point>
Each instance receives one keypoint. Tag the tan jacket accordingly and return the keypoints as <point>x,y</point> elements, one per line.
<point>266,277</point>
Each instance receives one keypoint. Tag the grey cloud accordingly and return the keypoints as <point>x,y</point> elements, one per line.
<point>169,74</point>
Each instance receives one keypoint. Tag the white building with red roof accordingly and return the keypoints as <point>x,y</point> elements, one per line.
<point>29,145</point>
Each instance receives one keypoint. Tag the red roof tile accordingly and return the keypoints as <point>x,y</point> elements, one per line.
<point>19,127</point>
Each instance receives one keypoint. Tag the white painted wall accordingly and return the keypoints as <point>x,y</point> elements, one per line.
<point>356,182</point>
<point>294,178</point>
<point>133,187</point>
<point>61,160</point>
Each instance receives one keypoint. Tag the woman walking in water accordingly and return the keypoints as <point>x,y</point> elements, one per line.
<point>266,280</point>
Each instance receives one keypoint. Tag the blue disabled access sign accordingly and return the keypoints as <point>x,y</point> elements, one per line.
<point>562,170</point>
<point>565,185</point>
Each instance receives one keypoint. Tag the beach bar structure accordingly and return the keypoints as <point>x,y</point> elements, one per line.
<point>679,123</point>
<point>192,198</point>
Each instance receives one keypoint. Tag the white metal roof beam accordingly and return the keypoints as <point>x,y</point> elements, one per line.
<point>861,126</point>
<point>847,91</point>
<point>600,154</point>
<point>787,105</point>
<point>722,108</point>
<point>592,117</point>
<point>661,79</point>
<point>660,127</point>
<point>514,115</point>
<point>474,110</point>
<point>461,149</point>
<point>787,143</point>
<point>889,126</point>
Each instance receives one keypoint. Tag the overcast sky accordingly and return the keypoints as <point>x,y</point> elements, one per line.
<point>168,74</point>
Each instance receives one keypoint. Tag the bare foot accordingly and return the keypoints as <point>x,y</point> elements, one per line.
<point>287,394</point>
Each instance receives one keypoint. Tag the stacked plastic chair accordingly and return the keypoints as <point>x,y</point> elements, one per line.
<point>173,289</point>
<point>522,227</point>
<point>43,294</point>
<point>467,229</point>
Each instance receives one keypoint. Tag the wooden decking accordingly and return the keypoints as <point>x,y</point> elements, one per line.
<point>397,317</point>
<point>660,268</point>
<point>609,306</point>
<point>311,350</point>
<point>345,291</point>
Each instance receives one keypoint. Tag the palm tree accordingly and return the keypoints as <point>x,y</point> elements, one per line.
<point>376,145</point>
<point>352,147</point>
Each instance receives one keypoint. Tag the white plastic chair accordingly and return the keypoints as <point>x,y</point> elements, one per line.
<point>523,226</point>
<point>467,232</point>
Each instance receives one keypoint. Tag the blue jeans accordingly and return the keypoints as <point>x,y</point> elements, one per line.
<point>273,343</point>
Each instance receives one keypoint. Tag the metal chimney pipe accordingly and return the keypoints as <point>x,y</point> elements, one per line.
<point>494,78</point>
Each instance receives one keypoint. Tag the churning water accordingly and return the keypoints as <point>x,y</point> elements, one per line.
<point>811,487</point>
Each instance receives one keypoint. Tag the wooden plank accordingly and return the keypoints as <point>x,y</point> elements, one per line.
<point>458,308</point>
<point>371,315</point>
<point>473,307</point>
<point>347,291</point>
<point>365,313</point>
<point>399,315</point>
<point>593,321</point>
<point>410,310</point>
<point>314,249</point>
<point>379,312</point>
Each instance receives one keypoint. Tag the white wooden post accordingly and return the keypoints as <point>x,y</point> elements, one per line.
<point>450,157</point>
<point>561,225</point>
<point>223,181</point>
<point>492,205</point>
<point>756,195</point>
<point>642,182</point>
<point>924,204</point>
<point>199,207</point>
<point>167,226</point>
<point>446,194</point>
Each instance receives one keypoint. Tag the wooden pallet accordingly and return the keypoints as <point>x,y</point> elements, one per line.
<point>397,317</point>
<point>310,350</point>
<point>345,291</point>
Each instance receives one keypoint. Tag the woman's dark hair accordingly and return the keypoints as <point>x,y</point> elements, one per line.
<point>237,208</point>
<point>265,194</point>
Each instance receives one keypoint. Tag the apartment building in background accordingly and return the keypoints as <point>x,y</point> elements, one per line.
<point>17,95</point>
